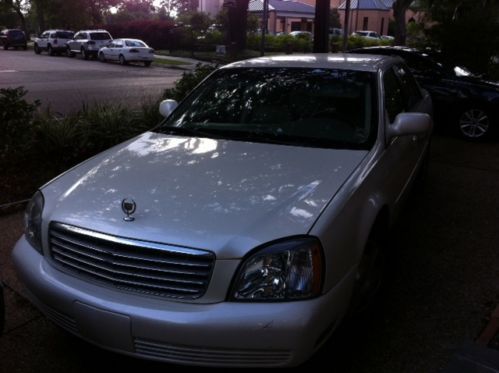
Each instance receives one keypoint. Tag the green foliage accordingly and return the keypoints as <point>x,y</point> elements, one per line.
<point>188,81</point>
<point>281,43</point>
<point>466,31</point>
<point>16,122</point>
<point>334,19</point>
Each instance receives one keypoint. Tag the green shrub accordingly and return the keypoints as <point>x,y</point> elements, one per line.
<point>188,81</point>
<point>16,122</point>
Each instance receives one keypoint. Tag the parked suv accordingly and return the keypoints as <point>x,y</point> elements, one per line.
<point>53,41</point>
<point>13,38</point>
<point>88,43</point>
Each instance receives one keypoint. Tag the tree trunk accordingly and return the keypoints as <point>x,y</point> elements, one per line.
<point>399,9</point>
<point>321,31</point>
<point>16,7</point>
<point>238,23</point>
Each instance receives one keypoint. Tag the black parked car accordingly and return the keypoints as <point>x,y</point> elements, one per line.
<point>466,101</point>
<point>13,38</point>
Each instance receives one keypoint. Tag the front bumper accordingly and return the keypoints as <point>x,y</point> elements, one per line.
<point>218,334</point>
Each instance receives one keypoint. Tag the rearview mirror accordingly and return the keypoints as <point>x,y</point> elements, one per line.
<point>409,124</point>
<point>167,106</point>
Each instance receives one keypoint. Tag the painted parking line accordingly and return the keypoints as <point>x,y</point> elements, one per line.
<point>8,71</point>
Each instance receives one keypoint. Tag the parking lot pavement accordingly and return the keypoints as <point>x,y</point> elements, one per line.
<point>441,284</point>
<point>64,83</point>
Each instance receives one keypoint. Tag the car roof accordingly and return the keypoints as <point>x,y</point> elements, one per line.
<point>58,29</point>
<point>97,30</point>
<point>343,61</point>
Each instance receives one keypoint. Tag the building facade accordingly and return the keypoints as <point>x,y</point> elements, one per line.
<point>285,16</point>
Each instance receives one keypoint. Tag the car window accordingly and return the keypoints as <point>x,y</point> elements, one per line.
<point>134,43</point>
<point>300,106</point>
<point>420,64</point>
<point>45,35</point>
<point>100,36</point>
<point>64,35</point>
<point>53,35</point>
<point>412,92</point>
<point>394,96</point>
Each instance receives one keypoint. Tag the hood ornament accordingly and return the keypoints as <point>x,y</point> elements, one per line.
<point>128,206</point>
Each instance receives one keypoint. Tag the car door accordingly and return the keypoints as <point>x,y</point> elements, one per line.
<point>43,41</point>
<point>403,153</point>
<point>118,46</point>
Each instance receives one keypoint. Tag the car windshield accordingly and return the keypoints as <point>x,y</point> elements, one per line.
<point>100,36</point>
<point>135,43</point>
<point>64,35</point>
<point>298,106</point>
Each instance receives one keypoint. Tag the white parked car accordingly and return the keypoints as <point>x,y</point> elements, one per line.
<point>373,35</point>
<point>88,43</point>
<point>241,230</point>
<point>127,50</point>
<point>53,41</point>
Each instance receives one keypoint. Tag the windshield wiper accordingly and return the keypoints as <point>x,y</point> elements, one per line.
<point>184,131</point>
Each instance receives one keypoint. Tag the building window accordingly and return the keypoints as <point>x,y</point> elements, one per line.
<point>365,23</point>
<point>382,26</point>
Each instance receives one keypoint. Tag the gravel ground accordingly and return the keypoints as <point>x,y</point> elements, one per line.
<point>441,285</point>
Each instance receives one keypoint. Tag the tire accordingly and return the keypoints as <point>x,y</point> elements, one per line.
<point>474,123</point>
<point>370,273</point>
<point>25,47</point>
<point>84,53</point>
<point>102,58</point>
<point>69,52</point>
<point>5,46</point>
<point>50,51</point>
<point>37,49</point>
<point>122,60</point>
<point>147,63</point>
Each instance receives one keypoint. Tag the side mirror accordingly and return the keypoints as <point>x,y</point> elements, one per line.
<point>410,124</point>
<point>166,107</point>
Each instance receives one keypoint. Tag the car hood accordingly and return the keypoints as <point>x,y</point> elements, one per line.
<point>477,81</point>
<point>224,196</point>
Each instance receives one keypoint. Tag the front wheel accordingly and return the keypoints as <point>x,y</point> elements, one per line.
<point>147,63</point>
<point>102,58</point>
<point>69,52</point>
<point>84,53</point>
<point>37,49</point>
<point>474,123</point>
<point>50,51</point>
<point>122,60</point>
<point>5,46</point>
<point>369,275</point>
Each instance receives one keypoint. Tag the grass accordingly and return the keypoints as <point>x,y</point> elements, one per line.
<point>169,62</point>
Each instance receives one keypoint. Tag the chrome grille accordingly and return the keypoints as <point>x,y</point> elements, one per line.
<point>129,264</point>
<point>221,357</point>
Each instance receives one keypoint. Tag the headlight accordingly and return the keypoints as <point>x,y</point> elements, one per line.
<point>283,271</point>
<point>33,221</point>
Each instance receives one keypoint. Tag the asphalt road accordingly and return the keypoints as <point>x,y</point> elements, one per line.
<point>442,283</point>
<point>65,83</point>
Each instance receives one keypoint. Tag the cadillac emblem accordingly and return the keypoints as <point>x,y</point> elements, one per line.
<point>128,206</point>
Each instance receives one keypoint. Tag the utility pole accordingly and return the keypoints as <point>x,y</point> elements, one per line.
<point>346,25</point>
<point>321,31</point>
<point>265,22</point>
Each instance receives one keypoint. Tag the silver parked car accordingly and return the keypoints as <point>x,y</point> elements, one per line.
<point>88,43</point>
<point>127,50</point>
<point>241,230</point>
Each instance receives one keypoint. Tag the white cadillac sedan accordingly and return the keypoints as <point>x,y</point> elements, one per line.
<point>243,228</point>
<point>127,50</point>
